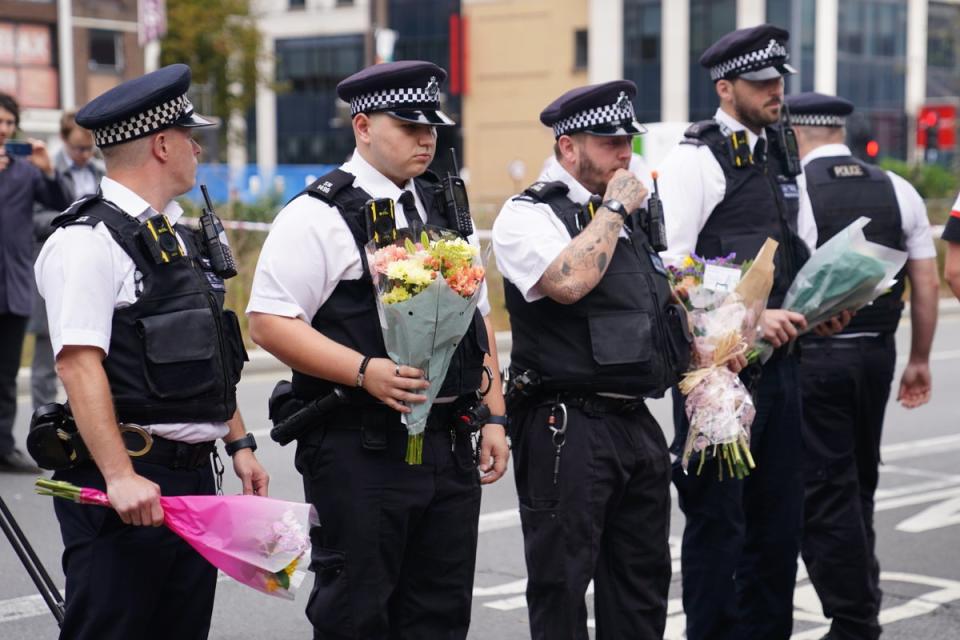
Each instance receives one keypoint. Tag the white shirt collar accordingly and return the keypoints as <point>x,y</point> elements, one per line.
<point>826,151</point>
<point>366,177</point>
<point>577,192</point>
<point>132,204</point>
<point>731,123</point>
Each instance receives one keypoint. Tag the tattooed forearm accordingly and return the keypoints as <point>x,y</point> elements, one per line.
<point>581,265</point>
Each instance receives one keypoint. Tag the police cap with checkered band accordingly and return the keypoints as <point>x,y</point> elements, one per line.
<point>812,109</point>
<point>756,54</point>
<point>407,90</point>
<point>599,109</point>
<point>139,107</point>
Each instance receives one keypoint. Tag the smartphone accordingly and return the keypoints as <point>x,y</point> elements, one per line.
<point>18,148</point>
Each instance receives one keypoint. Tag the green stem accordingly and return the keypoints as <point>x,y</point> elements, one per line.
<point>414,449</point>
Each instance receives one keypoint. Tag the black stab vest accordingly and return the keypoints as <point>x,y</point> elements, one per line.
<point>349,316</point>
<point>759,203</point>
<point>175,354</point>
<point>625,336</point>
<point>842,189</point>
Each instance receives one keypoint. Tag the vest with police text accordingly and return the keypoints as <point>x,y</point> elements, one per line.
<point>842,189</point>
<point>175,354</point>
<point>625,336</point>
<point>349,316</point>
<point>759,202</point>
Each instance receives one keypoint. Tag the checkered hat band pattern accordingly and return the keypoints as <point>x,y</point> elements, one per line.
<point>390,98</point>
<point>607,114</point>
<point>143,123</point>
<point>774,53</point>
<point>817,120</point>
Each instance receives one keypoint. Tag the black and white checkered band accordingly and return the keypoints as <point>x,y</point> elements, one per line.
<point>398,98</point>
<point>153,119</point>
<point>612,114</point>
<point>774,53</point>
<point>817,120</point>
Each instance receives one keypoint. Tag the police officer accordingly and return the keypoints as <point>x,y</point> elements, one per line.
<point>847,377</point>
<point>727,187</point>
<point>594,333</point>
<point>140,335</point>
<point>951,236</point>
<point>395,555</point>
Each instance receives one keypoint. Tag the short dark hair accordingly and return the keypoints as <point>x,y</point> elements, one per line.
<point>9,103</point>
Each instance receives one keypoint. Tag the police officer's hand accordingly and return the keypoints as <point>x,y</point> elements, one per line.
<point>494,453</point>
<point>834,325</point>
<point>394,384</point>
<point>737,363</point>
<point>254,477</point>
<point>626,188</point>
<point>915,385</point>
<point>136,500</point>
<point>780,326</point>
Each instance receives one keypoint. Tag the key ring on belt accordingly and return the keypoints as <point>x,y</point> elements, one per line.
<point>559,432</point>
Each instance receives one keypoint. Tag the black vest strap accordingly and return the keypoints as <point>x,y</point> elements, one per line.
<point>554,194</point>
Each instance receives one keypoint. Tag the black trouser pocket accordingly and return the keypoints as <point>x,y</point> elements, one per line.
<point>544,542</point>
<point>328,607</point>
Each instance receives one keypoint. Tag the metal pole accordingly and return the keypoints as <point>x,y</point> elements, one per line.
<point>31,562</point>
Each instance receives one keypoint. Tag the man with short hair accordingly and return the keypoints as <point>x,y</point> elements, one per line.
<point>395,555</point>
<point>846,377</point>
<point>24,181</point>
<point>150,360</point>
<point>595,333</point>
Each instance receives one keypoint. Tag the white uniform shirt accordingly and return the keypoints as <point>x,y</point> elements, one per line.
<point>913,211</point>
<point>310,249</point>
<point>692,184</point>
<point>83,275</point>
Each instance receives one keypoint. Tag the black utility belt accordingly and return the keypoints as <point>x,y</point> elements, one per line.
<point>840,342</point>
<point>591,402</point>
<point>153,449</point>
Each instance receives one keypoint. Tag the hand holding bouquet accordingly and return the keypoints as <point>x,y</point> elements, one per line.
<point>724,302</point>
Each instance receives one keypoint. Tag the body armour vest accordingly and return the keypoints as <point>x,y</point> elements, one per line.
<point>842,189</point>
<point>349,316</point>
<point>625,336</point>
<point>175,354</point>
<point>759,202</point>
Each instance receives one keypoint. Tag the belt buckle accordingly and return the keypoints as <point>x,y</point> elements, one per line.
<point>129,427</point>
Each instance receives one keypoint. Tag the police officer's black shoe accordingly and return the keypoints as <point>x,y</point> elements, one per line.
<point>17,462</point>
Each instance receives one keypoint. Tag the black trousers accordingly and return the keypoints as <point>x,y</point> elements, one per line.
<point>606,519</point>
<point>742,537</point>
<point>395,551</point>
<point>12,330</point>
<point>128,582</point>
<point>846,384</point>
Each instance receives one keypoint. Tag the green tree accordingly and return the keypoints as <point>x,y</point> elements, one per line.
<point>220,41</point>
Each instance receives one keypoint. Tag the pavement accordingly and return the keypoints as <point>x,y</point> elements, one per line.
<point>917,521</point>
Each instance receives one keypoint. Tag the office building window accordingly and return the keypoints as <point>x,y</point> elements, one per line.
<point>312,124</point>
<point>709,20</point>
<point>799,17</point>
<point>943,50</point>
<point>297,4</point>
<point>580,56</point>
<point>106,50</point>
<point>641,54</point>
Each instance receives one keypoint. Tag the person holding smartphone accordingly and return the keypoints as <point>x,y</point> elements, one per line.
<point>24,180</point>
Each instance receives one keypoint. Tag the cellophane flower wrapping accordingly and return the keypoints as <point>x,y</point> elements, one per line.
<point>845,273</point>
<point>427,290</point>
<point>261,542</point>
<point>725,323</point>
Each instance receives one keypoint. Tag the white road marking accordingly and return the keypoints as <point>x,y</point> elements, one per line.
<point>940,515</point>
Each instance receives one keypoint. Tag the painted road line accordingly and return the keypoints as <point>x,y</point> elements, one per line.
<point>917,448</point>
<point>920,498</point>
<point>25,607</point>
<point>499,520</point>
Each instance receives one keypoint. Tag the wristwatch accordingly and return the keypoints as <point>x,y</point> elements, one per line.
<point>500,420</point>
<point>616,206</point>
<point>246,442</point>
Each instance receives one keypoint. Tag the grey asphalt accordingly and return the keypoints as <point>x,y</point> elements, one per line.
<point>918,520</point>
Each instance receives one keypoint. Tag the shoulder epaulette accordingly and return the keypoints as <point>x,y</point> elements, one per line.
<point>75,213</point>
<point>326,187</point>
<point>542,191</point>
<point>698,130</point>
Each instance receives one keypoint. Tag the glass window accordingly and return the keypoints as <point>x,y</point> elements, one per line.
<point>641,55</point>
<point>106,50</point>
<point>313,127</point>
<point>709,20</point>
<point>297,4</point>
<point>799,17</point>
<point>580,49</point>
<point>943,50</point>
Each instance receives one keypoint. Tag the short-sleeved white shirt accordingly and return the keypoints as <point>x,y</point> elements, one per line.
<point>913,211</point>
<point>310,249</point>
<point>83,275</point>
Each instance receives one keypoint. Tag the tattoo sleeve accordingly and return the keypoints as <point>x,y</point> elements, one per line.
<point>581,265</point>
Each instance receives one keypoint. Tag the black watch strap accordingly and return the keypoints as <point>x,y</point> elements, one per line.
<point>246,442</point>
<point>616,206</point>
<point>500,420</point>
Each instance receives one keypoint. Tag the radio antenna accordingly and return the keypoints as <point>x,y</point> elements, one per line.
<point>453,157</point>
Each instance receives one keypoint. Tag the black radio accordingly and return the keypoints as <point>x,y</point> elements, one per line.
<point>455,200</point>
<point>788,144</point>
<point>215,240</point>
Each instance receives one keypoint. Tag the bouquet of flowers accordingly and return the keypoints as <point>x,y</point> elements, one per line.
<point>724,302</point>
<point>845,273</point>
<point>427,290</point>
<point>260,542</point>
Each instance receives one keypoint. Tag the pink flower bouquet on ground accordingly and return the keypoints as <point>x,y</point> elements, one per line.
<point>260,542</point>
<point>724,302</point>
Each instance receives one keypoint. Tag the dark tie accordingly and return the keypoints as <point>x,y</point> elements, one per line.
<point>410,212</point>
<point>760,151</point>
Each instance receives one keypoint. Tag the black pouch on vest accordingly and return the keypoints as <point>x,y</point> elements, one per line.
<point>54,442</point>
